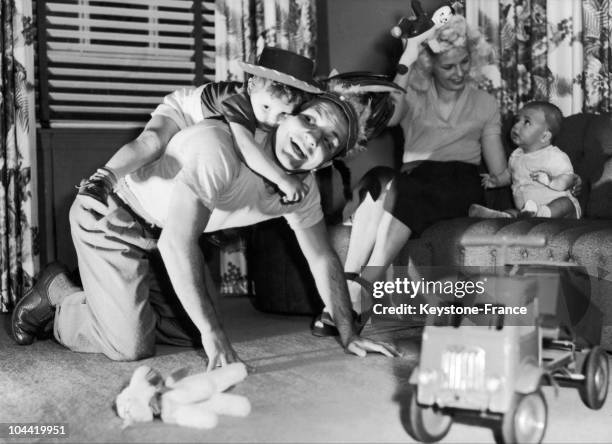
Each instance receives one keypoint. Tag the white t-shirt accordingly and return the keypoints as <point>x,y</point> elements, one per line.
<point>183,106</point>
<point>203,157</point>
<point>551,160</point>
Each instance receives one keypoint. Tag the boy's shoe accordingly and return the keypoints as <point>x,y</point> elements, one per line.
<point>481,211</point>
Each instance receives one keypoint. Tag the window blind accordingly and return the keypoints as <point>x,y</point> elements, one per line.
<point>111,62</point>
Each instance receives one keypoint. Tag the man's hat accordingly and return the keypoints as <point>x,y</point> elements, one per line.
<point>285,67</point>
<point>368,96</point>
<point>349,111</point>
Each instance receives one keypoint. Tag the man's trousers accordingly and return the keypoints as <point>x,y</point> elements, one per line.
<point>127,303</point>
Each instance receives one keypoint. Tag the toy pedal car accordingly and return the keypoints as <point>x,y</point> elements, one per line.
<point>490,371</point>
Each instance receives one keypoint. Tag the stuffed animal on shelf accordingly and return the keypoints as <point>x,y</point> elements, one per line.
<point>191,401</point>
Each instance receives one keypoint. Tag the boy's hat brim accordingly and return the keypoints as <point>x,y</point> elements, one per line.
<point>285,67</point>
<point>279,77</point>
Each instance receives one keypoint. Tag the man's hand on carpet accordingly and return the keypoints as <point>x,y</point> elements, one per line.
<point>218,350</point>
<point>360,346</point>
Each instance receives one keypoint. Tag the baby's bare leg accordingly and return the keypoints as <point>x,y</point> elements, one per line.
<point>562,207</point>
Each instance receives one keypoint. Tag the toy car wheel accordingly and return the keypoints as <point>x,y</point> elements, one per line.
<point>525,422</point>
<point>596,379</point>
<point>425,424</point>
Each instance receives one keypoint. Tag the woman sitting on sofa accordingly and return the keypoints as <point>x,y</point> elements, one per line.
<point>448,126</point>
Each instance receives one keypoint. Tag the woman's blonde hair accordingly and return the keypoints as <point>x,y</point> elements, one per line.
<point>454,34</point>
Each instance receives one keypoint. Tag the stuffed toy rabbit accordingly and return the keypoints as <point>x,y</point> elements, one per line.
<point>192,401</point>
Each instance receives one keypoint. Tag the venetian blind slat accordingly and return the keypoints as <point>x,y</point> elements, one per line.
<point>117,59</point>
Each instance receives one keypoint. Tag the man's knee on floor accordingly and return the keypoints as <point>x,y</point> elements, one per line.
<point>132,350</point>
<point>75,330</point>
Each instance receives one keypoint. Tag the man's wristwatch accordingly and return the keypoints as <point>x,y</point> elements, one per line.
<point>402,69</point>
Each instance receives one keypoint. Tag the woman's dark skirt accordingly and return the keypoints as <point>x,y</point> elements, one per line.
<point>433,191</point>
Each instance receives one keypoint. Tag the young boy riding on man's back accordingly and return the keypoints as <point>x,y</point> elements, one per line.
<point>281,81</point>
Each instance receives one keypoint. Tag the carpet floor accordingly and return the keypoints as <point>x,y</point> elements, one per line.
<point>304,389</point>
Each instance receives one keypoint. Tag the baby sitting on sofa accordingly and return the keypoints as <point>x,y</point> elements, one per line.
<point>541,174</point>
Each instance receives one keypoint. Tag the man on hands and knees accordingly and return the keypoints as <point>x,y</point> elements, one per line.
<point>198,185</point>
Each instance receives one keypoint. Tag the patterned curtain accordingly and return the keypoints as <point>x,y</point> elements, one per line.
<point>18,234</point>
<point>555,50</point>
<point>596,16</point>
<point>244,27</point>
